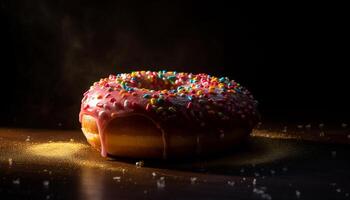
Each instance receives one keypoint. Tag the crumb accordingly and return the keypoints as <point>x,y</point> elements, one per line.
<point>284,130</point>
<point>161,183</point>
<point>322,134</point>
<point>334,153</point>
<point>10,161</point>
<point>139,164</point>
<point>16,181</point>
<point>193,180</point>
<point>46,184</point>
<point>154,174</point>
<point>117,178</point>
<point>231,183</point>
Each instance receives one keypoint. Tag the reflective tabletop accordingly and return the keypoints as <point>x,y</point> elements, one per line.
<point>272,164</point>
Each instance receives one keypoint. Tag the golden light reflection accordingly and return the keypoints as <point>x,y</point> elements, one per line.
<point>56,149</point>
<point>70,152</point>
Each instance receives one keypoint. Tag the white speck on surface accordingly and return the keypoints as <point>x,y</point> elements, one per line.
<point>145,192</point>
<point>334,153</point>
<point>333,184</point>
<point>261,193</point>
<point>308,126</point>
<point>28,139</point>
<point>123,171</point>
<point>193,180</point>
<point>259,125</point>
<point>242,170</point>
<point>322,134</point>
<point>321,125</point>
<point>154,174</point>
<point>349,136</point>
<point>10,161</point>
<point>266,196</point>
<point>231,183</point>
<point>300,126</point>
<point>222,135</point>
<point>46,184</point>
<point>344,125</point>
<point>284,130</point>
<point>71,140</point>
<point>338,190</point>
<point>161,183</point>
<point>258,191</point>
<point>256,174</point>
<point>284,169</point>
<point>272,172</point>
<point>254,181</point>
<point>139,164</point>
<point>16,181</point>
<point>117,178</point>
<point>244,179</point>
<point>297,193</point>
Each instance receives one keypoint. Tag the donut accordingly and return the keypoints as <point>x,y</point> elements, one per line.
<point>165,114</point>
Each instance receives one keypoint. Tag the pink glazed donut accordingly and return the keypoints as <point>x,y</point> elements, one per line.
<point>146,114</point>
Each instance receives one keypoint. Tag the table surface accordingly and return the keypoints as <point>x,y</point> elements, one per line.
<point>272,164</point>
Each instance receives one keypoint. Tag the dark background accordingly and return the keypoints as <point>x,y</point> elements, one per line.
<point>292,57</point>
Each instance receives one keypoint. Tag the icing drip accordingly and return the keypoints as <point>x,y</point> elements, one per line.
<point>101,133</point>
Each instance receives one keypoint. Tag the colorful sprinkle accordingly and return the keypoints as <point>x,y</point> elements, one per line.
<point>126,103</point>
<point>148,107</point>
<point>146,96</point>
<point>189,105</point>
<point>153,101</point>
